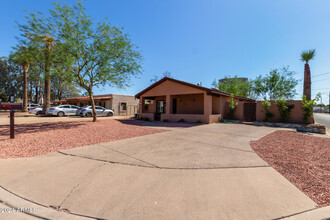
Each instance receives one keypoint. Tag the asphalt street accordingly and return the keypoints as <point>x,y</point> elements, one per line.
<point>323,119</point>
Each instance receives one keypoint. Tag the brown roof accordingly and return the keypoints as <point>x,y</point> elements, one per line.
<point>96,97</point>
<point>209,91</point>
<point>87,97</point>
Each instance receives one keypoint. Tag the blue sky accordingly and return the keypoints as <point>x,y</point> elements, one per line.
<point>203,40</point>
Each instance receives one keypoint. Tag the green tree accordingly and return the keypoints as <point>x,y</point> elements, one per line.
<point>279,83</point>
<point>100,54</point>
<point>24,55</point>
<point>10,80</point>
<point>62,88</point>
<point>39,30</point>
<point>306,56</point>
<point>236,86</point>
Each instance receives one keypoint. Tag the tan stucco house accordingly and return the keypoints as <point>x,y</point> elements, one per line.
<point>173,100</point>
<point>125,105</point>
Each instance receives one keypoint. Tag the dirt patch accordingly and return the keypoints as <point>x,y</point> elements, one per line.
<point>304,160</point>
<point>37,139</point>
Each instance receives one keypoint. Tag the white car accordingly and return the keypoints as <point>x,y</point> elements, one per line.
<point>62,110</point>
<point>36,110</point>
<point>100,111</point>
<point>30,106</point>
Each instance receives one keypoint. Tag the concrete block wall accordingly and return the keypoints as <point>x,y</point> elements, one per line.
<point>131,104</point>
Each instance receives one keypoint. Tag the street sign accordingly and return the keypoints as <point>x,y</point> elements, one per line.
<point>11,106</point>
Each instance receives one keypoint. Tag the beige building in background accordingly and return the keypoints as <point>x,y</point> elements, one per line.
<point>124,105</point>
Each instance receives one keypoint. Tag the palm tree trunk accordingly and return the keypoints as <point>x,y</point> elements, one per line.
<point>307,82</point>
<point>25,95</point>
<point>37,94</point>
<point>47,82</point>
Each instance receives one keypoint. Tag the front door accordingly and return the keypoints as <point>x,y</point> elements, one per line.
<point>160,109</point>
<point>174,106</point>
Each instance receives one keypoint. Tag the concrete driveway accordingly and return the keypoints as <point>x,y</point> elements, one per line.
<point>202,172</point>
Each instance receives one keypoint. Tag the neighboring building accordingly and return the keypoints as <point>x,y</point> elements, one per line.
<point>174,100</point>
<point>125,105</point>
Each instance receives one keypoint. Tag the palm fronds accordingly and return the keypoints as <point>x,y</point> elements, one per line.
<point>307,55</point>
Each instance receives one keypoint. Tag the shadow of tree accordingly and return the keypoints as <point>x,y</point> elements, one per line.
<point>38,127</point>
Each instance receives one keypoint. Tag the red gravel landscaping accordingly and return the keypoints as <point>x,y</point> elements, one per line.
<point>36,139</point>
<point>304,160</point>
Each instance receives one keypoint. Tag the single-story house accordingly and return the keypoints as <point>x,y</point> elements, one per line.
<point>174,100</point>
<point>125,105</point>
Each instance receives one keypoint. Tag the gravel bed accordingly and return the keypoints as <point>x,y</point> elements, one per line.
<point>304,160</point>
<point>41,138</point>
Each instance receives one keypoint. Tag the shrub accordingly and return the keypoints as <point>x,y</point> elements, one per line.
<point>181,120</point>
<point>267,105</point>
<point>284,109</point>
<point>232,106</point>
<point>308,107</point>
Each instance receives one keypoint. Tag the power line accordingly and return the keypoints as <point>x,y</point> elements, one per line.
<point>313,89</point>
<point>315,80</point>
<point>322,74</point>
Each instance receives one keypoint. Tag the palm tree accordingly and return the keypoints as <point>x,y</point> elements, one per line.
<point>306,56</point>
<point>23,56</point>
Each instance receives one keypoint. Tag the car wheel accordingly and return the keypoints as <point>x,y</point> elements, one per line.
<point>60,114</point>
<point>110,114</point>
<point>88,114</point>
<point>39,113</point>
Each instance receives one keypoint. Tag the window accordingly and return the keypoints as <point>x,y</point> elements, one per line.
<point>66,106</point>
<point>123,106</point>
<point>99,108</point>
<point>72,106</point>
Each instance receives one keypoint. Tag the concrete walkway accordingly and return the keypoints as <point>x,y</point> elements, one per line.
<point>202,172</point>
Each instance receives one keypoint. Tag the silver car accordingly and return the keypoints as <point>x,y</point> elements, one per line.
<point>62,110</point>
<point>100,111</point>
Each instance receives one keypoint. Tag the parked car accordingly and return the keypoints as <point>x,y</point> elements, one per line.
<point>80,109</point>
<point>62,110</point>
<point>32,106</point>
<point>36,110</point>
<point>100,111</point>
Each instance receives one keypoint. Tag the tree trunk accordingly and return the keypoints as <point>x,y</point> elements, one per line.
<point>307,82</point>
<point>47,82</point>
<point>91,98</point>
<point>37,94</point>
<point>25,93</point>
<point>31,92</point>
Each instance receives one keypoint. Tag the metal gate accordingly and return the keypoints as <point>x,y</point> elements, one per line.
<point>250,111</point>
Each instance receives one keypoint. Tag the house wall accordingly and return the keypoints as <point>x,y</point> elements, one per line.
<point>296,114</point>
<point>239,112</point>
<point>131,104</point>
<point>193,118</point>
<point>188,104</point>
<point>216,108</point>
